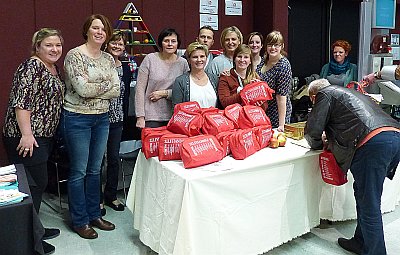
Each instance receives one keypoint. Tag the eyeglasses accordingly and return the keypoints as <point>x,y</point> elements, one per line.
<point>116,44</point>
<point>276,45</point>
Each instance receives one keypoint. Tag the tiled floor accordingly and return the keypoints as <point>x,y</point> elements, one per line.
<point>124,239</point>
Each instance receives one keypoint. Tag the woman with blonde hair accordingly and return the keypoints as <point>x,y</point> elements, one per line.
<point>33,113</point>
<point>196,85</point>
<point>275,69</point>
<point>239,76</point>
<point>231,38</point>
<point>255,42</point>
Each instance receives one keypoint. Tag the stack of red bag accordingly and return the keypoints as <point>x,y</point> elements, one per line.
<point>201,136</point>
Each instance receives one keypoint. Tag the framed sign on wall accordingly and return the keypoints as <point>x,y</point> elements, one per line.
<point>384,14</point>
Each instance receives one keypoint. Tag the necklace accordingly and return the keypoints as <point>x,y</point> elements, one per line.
<point>197,77</point>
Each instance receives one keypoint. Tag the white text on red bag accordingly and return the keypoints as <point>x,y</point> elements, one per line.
<point>169,147</point>
<point>191,106</point>
<point>185,123</point>
<point>243,143</point>
<point>252,116</point>
<point>232,113</point>
<point>215,123</point>
<point>331,173</point>
<point>256,92</point>
<point>201,150</point>
<point>263,134</point>
<point>150,141</point>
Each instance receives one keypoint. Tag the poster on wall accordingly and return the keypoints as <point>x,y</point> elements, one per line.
<point>209,20</point>
<point>233,8</point>
<point>209,6</point>
<point>384,14</point>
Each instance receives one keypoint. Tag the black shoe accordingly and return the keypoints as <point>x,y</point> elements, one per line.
<point>48,248</point>
<point>350,245</point>
<point>103,211</point>
<point>116,205</point>
<point>50,233</point>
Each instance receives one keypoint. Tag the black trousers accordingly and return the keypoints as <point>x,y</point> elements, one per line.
<point>113,144</point>
<point>35,166</point>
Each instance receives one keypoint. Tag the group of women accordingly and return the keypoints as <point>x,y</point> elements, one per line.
<point>218,84</point>
<point>87,106</point>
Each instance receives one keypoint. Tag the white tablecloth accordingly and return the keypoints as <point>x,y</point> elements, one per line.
<point>338,203</point>
<point>261,202</point>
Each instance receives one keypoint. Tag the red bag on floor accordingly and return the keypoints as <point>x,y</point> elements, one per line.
<point>243,143</point>
<point>232,113</point>
<point>150,140</point>
<point>223,139</point>
<point>263,134</point>
<point>252,116</point>
<point>330,171</point>
<point>191,106</point>
<point>256,92</point>
<point>215,123</point>
<point>185,123</point>
<point>201,150</point>
<point>169,147</point>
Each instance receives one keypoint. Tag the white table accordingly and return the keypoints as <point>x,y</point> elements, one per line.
<point>263,201</point>
<point>338,203</point>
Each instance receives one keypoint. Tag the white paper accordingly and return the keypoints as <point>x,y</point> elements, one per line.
<point>209,6</point>
<point>396,52</point>
<point>233,8</point>
<point>209,20</point>
<point>7,169</point>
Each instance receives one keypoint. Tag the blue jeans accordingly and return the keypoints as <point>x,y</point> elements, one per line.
<point>371,164</point>
<point>85,138</point>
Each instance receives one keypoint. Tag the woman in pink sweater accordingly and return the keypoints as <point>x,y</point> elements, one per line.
<point>156,76</point>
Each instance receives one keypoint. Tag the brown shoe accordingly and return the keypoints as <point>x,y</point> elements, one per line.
<point>102,224</point>
<point>86,232</point>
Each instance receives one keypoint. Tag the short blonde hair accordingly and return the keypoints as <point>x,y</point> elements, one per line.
<point>42,34</point>
<point>231,29</point>
<point>195,46</point>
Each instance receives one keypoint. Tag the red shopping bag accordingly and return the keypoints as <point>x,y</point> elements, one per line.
<point>223,139</point>
<point>330,171</point>
<point>252,116</point>
<point>201,150</point>
<point>263,134</point>
<point>232,113</point>
<point>209,110</point>
<point>169,147</point>
<point>256,92</point>
<point>215,123</point>
<point>150,141</point>
<point>185,123</point>
<point>243,143</point>
<point>191,106</point>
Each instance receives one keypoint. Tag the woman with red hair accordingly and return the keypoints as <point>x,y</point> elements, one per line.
<point>339,71</point>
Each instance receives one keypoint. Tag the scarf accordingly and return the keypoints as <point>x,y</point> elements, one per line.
<point>336,68</point>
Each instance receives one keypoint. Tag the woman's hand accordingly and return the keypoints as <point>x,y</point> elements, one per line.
<point>370,78</point>
<point>157,95</point>
<point>140,122</point>
<point>226,72</point>
<point>281,128</point>
<point>26,144</point>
